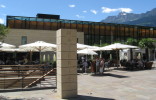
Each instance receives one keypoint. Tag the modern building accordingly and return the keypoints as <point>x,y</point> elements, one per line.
<point>43,27</point>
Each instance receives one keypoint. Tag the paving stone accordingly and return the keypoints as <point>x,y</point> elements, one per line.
<point>136,85</point>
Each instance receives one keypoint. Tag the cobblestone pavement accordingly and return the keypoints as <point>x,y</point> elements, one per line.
<point>112,85</point>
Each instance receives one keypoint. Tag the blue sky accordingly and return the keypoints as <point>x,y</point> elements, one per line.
<point>86,10</point>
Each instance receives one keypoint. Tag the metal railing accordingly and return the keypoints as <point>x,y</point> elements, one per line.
<point>22,76</point>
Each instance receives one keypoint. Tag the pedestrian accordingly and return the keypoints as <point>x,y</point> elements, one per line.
<point>102,62</point>
<point>97,65</point>
<point>85,65</point>
<point>93,66</point>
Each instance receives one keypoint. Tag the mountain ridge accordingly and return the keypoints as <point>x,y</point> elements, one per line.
<point>143,19</point>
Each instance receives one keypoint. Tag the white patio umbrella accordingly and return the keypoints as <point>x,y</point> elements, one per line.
<point>6,46</point>
<point>102,49</point>
<point>87,52</point>
<point>12,50</point>
<point>39,46</point>
<point>118,46</point>
<point>82,46</point>
<point>94,48</point>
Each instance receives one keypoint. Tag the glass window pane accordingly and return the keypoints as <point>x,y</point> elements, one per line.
<point>23,40</point>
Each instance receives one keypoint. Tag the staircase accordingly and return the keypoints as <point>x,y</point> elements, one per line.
<point>49,81</point>
<point>26,76</point>
<point>45,81</point>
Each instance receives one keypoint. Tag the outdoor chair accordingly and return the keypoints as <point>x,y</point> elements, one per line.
<point>107,65</point>
<point>148,65</point>
<point>123,62</point>
<point>140,64</point>
<point>130,65</point>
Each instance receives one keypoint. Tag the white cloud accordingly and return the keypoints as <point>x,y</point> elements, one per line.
<point>109,10</point>
<point>94,11</point>
<point>1,21</point>
<point>127,10</point>
<point>72,6</point>
<point>84,11</point>
<point>78,16</point>
<point>2,6</point>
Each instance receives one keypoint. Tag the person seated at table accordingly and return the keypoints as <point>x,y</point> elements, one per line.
<point>140,64</point>
<point>2,62</point>
<point>46,67</point>
<point>8,61</point>
<point>25,60</point>
<point>36,61</point>
<point>108,63</point>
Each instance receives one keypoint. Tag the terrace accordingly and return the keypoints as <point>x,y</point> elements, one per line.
<point>113,85</point>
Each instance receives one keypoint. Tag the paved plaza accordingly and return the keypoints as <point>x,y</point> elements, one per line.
<point>113,85</point>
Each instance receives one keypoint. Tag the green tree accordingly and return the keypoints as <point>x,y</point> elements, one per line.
<point>102,45</point>
<point>3,31</point>
<point>132,41</point>
<point>147,43</point>
<point>118,42</point>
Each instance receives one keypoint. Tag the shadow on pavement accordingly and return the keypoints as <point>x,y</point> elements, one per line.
<point>82,97</point>
<point>79,97</point>
<point>110,74</point>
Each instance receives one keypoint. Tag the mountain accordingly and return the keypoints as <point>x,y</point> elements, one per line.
<point>143,19</point>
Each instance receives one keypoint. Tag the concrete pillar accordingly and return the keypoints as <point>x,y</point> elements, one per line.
<point>66,63</point>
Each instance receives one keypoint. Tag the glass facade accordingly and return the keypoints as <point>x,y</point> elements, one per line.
<point>94,31</point>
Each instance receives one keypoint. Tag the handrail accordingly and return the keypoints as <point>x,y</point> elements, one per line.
<point>9,85</point>
<point>39,78</point>
<point>20,65</point>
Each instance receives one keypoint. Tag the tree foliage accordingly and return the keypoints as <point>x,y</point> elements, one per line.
<point>102,45</point>
<point>3,31</point>
<point>132,41</point>
<point>147,43</point>
<point>118,42</point>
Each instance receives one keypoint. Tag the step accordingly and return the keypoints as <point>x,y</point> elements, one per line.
<point>40,85</point>
<point>48,83</point>
<point>50,76</point>
<point>50,79</point>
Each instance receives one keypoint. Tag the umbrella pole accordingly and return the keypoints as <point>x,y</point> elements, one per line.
<point>117,58</point>
<point>3,56</point>
<point>40,56</point>
<point>131,54</point>
<point>30,56</point>
<point>85,66</point>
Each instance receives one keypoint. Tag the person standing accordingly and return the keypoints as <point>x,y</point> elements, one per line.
<point>102,62</point>
<point>97,65</point>
<point>93,66</point>
<point>85,65</point>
